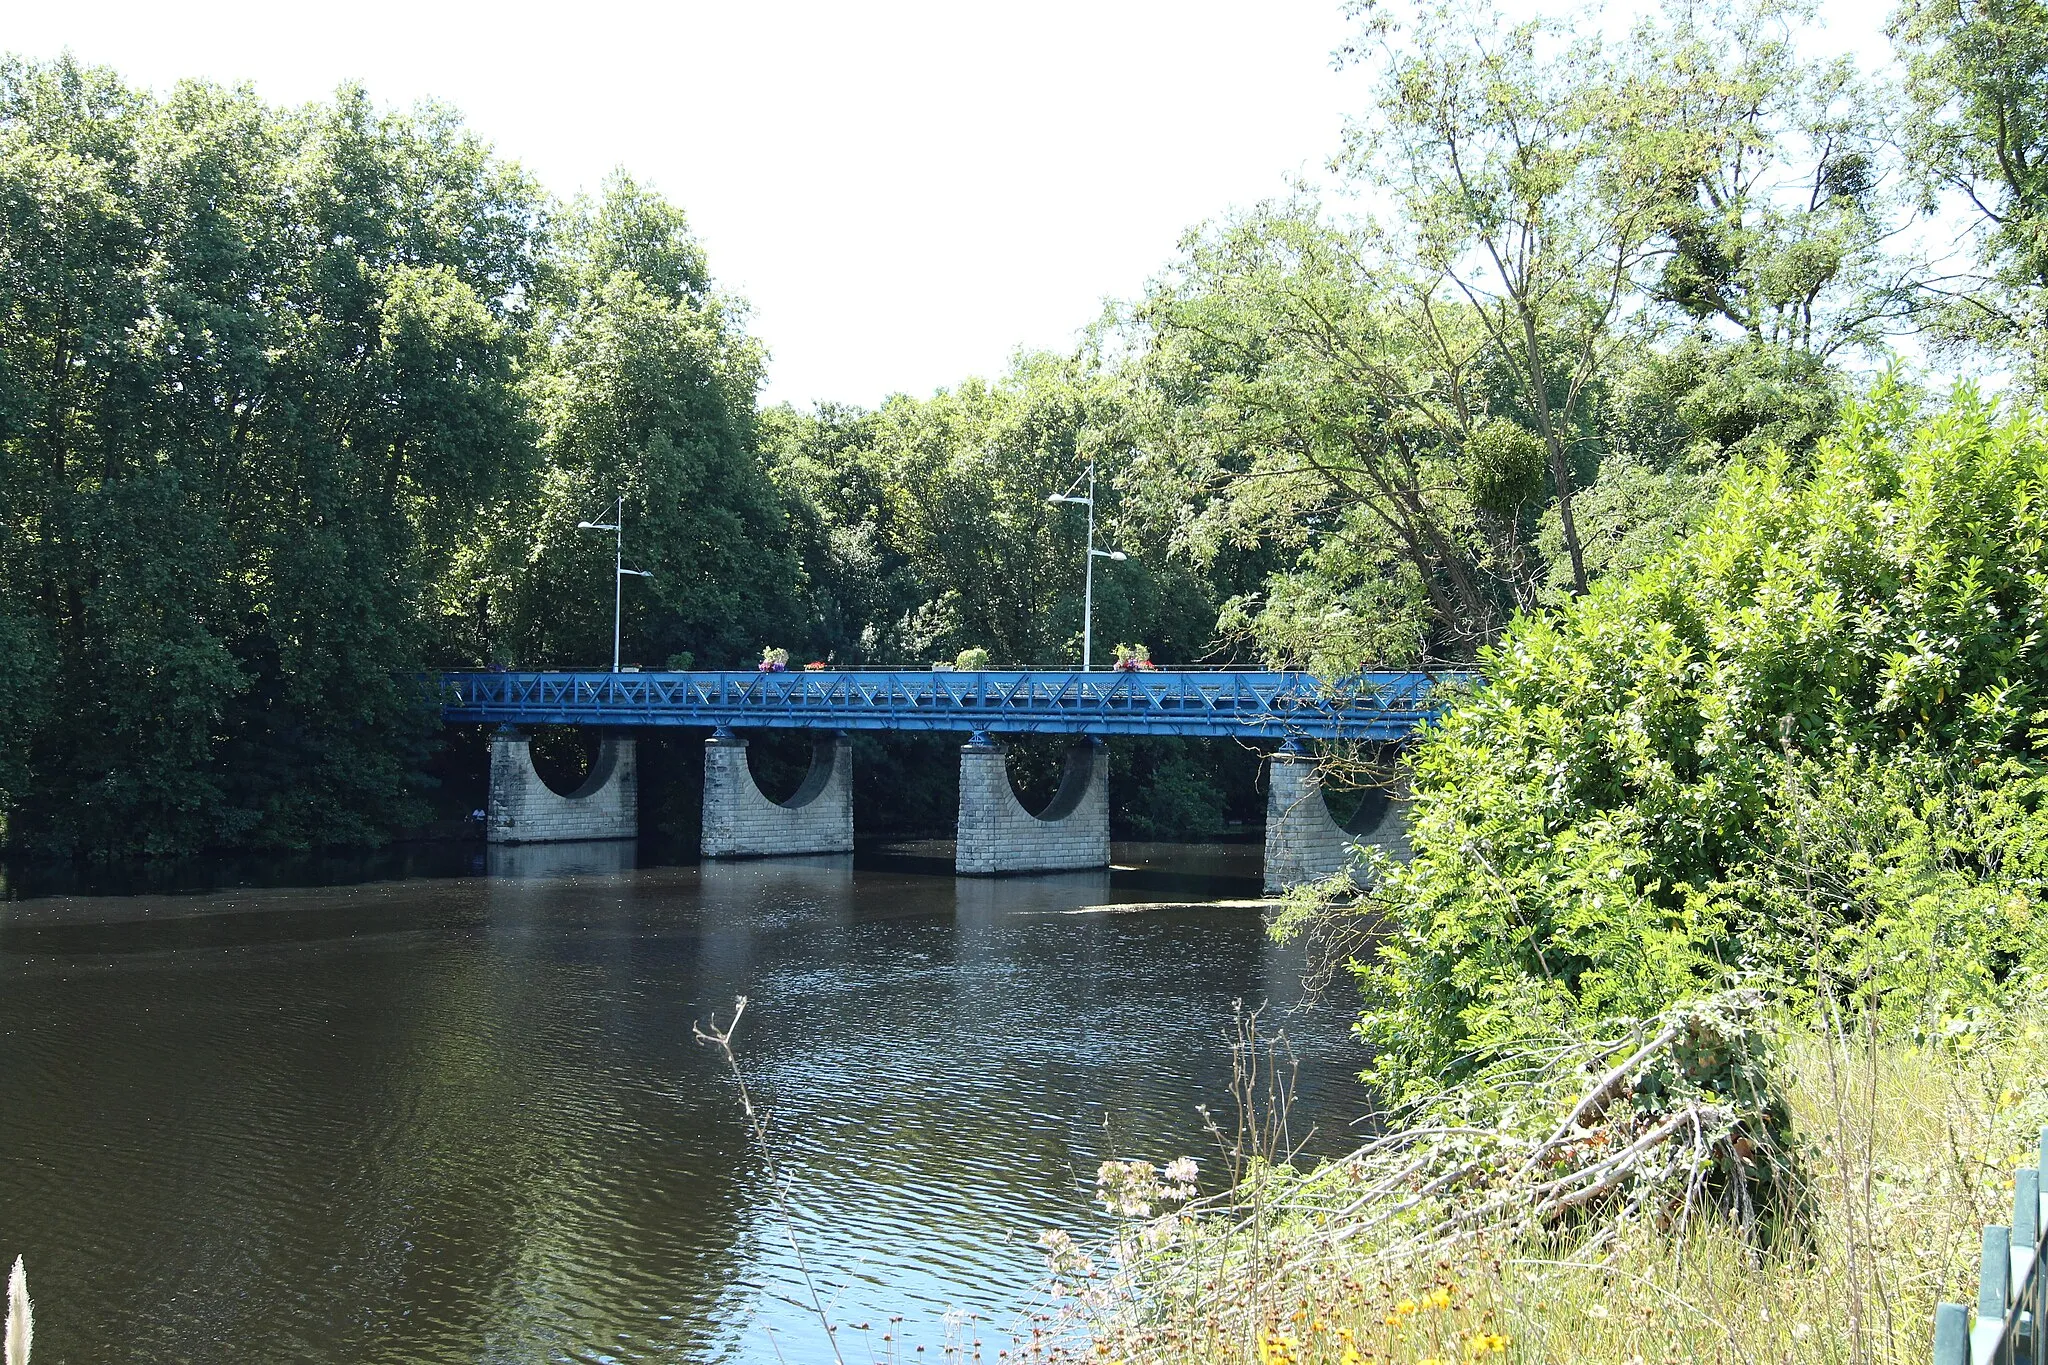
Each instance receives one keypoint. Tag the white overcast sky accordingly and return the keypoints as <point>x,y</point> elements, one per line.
<point>905,192</point>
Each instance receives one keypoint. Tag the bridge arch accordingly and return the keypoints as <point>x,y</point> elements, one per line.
<point>741,821</point>
<point>996,834</point>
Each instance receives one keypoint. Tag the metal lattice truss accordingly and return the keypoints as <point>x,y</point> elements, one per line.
<point>1282,707</point>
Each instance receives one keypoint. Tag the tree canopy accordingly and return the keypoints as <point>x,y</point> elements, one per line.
<point>298,403</point>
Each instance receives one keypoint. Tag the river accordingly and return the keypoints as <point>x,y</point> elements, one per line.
<point>463,1118</point>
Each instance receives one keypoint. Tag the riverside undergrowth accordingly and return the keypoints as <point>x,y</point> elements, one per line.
<point>1710,1007</point>
<point>1890,1155</point>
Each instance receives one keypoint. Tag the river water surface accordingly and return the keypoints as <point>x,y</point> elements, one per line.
<point>464,1119</point>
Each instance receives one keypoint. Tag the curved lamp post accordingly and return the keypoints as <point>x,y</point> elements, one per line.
<point>1088,576</point>
<point>617,526</point>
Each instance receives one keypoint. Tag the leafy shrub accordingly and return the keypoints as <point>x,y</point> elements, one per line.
<point>1798,744</point>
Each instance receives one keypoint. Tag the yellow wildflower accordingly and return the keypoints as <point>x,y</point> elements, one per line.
<point>1277,1349</point>
<point>1405,1307</point>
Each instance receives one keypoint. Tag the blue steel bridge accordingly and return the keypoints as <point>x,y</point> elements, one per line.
<point>995,833</point>
<point>1277,707</point>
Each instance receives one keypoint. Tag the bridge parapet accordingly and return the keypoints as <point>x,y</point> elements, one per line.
<point>1220,703</point>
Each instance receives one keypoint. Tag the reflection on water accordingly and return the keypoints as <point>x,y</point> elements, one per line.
<point>465,1119</point>
<point>582,858</point>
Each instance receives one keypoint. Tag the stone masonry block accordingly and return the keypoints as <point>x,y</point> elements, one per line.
<point>741,822</point>
<point>997,835</point>
<point>1303,843</point>
<point>522,810</point>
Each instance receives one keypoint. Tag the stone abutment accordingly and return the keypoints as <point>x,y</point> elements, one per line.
<point>524,810</point>
<point>1304,843</point>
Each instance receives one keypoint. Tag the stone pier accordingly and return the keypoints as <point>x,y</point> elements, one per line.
<point>523,810</point>
<point>996,834</point>
<point>741,822</point>
<point>1304,843</point>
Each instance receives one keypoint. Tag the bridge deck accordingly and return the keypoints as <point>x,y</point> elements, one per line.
<point>1274,706</point>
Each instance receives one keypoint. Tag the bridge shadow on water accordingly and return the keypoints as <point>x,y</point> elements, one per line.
<point>247,900</point>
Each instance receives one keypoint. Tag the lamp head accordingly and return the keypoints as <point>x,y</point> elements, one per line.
<point>1118,555</point>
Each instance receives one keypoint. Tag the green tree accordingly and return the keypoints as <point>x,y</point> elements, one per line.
<point>1977,129</point>
<point>256,376</point>
<point>646,391</point>
<point>1806,733</point>
<point>1409,411</point>
<point>932,517</point>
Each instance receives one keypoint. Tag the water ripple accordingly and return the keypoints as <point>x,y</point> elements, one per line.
<point>467,1120</point>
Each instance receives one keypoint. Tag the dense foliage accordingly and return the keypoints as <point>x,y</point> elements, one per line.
<point>296,403</point>
<point>1803,742</point>
<point>258,370</point>
<point>1602,271</point>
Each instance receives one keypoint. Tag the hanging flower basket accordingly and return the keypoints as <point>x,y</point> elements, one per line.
<point>773,661</point>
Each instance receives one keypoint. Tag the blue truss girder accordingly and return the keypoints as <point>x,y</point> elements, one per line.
<point>1274,706</point>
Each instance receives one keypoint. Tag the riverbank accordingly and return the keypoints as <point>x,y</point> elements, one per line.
<point>1907,1152</point>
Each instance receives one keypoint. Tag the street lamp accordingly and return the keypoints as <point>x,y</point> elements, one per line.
<point>617,526</point>
<point>1088,578</point>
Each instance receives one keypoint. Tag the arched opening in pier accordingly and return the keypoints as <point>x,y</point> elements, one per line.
<point>564,755</point>
<point>780,760</point>
<point>1359,787</point>
<point>1036,763</point>
<point>1359,811</point>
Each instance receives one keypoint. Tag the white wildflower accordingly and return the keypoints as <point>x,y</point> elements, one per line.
<point>1159,1234</point>
<point>1063,1255</point>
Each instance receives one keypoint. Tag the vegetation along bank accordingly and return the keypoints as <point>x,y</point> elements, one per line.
<point>1708,1013</point>
<point>1710,1007</point>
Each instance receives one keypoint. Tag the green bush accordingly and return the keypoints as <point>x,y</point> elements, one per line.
<point>1800,743</point>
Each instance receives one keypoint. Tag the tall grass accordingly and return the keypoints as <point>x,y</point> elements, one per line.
<point>1905,1149</point>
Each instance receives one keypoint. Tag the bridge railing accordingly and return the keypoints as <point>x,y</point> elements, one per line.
<point>2012,1288</point>
<point>1273,705</point>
